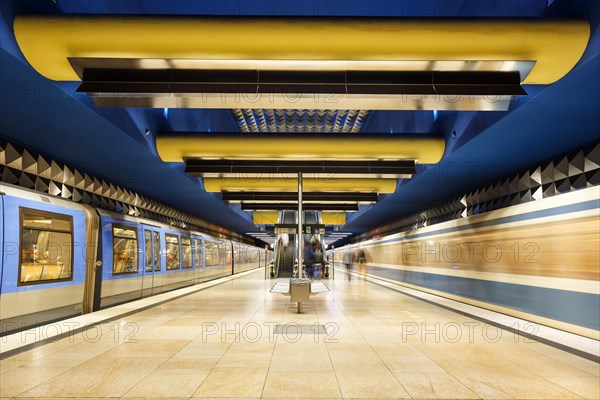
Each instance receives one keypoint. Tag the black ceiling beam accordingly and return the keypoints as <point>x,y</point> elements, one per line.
<point>294,206</point>
<point>155,81</point>
<point>201,167</point>
<point>306,196</point>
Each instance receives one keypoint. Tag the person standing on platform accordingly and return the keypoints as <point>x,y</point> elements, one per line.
<point>318,266</point>
<point>361,261</point>
<point>348,260</point>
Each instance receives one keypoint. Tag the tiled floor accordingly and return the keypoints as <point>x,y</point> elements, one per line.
<point>219,343</point>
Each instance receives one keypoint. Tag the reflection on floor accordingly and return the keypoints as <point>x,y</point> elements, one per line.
<point>220,343</point>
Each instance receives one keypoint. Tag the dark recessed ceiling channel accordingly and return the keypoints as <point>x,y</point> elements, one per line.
<point>294,206</point>
<point>187,81</point>
<point>306,196</point>
<point>325,169</point>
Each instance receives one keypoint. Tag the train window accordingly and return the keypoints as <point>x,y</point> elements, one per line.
<point>198,253</point>
<point>46,247</point>
<point>172,251</point>
<point>186,252</point>
<point>207,253</point>
<point>157,260</point>
<point>148,249</point>
<point>227,254</point>
<point>125,250</point>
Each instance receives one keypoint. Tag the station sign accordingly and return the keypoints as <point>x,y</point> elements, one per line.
<point>307,229</point>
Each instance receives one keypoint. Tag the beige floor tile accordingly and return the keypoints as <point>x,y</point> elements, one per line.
<point>504,381</point>
<point>10,363</point>
<point>225,398</point>
<point>592,369</point>
<point>172,333</point>
<point>64,359</point>
<point>199,349</point>
<point>146,348</point>
<point>245,360</point>
<point>259,347</point>
<point>399,349</point>
<point>185,366</point>
<point>92,347</point>
<point>366,354</point>
<point>362,382</point>
<point>411,363</point>
<point>163,385</point>
<point>307,384</point>
<point>436,385</point>
<point>233,382</point>
<point>290,349</point>
<point>97,378</point>
<point>365,358</point>
<point>19,380</point>
<point>584,386</point>
<point>313,363</point>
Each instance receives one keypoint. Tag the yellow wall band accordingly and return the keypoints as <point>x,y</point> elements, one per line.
<point>46,42</point>
<point>265,217</point>
<point>175,148</point>
<point>333,218</point>
<point>271,218</point>
<point>309,184</point>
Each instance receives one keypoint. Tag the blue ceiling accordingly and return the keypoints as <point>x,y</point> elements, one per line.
<point>118,144</point>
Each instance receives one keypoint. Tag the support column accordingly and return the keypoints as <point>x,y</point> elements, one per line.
<point>300,244</point>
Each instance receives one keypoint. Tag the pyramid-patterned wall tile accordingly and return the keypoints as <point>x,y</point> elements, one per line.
<point>563,185</point>
<point>56,171</point>
<point>535,177</point>
<point>576,163</point>
<point>29,163</point>
<point>66,191</point>
<point>13,158</point>
<point>42,184</point>
<point>537,193</point>
<point>88,184</point>
<point>78,180</point>
<point>77,195</point>
<point>548,173</point>
<point>68,176</point>
<point>44,167</point>
<point>105,189</point>
<point>549,189</point>
<point>592,158</point>
<point>27,180</point>
<point>524,181</point>
<point>578,181</point>
<point>97,188</point>
<point>593,177</point>
<point>54,189</point>
<point>10,175</point>
<point>112,191</point>
<point>2,150</point>
<point>561,169</point>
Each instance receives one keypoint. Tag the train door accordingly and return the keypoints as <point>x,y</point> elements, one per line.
<point>235,257</point>
<point>198,259</point>
<point>152,280</point>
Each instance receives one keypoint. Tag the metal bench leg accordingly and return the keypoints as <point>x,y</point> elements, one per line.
<point>299,307</point>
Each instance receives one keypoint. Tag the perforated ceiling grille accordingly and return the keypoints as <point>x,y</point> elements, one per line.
<point>300,121</point>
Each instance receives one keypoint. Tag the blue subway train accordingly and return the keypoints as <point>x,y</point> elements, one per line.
<point>60,258</point>
<point>538,261</point>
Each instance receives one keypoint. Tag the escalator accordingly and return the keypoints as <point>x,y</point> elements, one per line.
<point>286,247</point>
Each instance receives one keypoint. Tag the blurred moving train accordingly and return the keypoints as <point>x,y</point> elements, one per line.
<point>539,261</point>
<point>60,258</point>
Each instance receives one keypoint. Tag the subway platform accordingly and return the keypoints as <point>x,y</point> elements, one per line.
<point>234,339</point>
